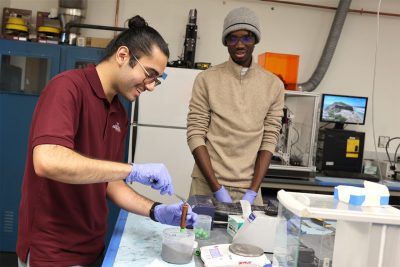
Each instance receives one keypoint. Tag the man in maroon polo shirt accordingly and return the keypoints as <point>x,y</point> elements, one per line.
<point>74,153</point>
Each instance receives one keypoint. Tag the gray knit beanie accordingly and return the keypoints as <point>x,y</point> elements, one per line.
<point>241,18</point>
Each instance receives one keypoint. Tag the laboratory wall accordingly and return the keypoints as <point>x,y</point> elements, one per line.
<point>366,62</point>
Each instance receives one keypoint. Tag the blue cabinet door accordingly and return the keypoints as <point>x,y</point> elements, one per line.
<point>73,57</point>
<point>24,51</point>
<point>25,69</point>
<point>15,119</point>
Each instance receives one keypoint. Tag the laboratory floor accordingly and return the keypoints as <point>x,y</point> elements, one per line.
<point>8,259</point>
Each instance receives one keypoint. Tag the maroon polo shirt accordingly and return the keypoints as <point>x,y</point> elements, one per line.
<point>65,224</point>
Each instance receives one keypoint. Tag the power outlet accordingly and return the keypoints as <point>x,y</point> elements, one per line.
<point>382,141</point>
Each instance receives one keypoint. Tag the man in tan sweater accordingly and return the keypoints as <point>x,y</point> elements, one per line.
<point>234,117</point>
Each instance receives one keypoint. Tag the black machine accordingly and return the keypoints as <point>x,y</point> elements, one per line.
<point>189,53</point>
<point>190,39</point>
<point>340,152</point>
<point>190,44</point>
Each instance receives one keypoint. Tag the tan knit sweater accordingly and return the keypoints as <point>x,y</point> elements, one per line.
<point>234,116</point>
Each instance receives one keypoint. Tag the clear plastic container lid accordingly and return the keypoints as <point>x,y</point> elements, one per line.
<point>326,207</point>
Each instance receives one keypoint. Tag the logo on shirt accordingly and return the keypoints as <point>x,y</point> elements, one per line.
<point>116,127</point>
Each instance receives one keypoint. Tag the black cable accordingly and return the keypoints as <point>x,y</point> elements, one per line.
<point>386,148</point>
<point>395,155</point>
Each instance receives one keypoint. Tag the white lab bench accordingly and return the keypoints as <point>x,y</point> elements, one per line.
<point>137,241</point>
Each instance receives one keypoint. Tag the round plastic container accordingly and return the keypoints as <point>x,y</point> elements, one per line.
<point>177,246</point>
<point>202,228</point>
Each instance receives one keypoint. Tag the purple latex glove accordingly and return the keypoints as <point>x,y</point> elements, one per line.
<point>222,195</point>
<point>154,174</point>
<point>250,196</point>
<point>171,214</point>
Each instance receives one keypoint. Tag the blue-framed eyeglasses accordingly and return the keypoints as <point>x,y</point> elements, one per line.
<point>246,40</point>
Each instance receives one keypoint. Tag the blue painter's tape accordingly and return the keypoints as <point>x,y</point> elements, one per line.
<point>356,200</point>
<point>385,200</point>
<point>164,76</point>
<point>336,194</point>
<point>113,246</point>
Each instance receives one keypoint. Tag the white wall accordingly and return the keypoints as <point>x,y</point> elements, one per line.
<point>285,29</point>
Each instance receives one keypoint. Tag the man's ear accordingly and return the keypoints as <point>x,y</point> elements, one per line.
<point>122,55</point>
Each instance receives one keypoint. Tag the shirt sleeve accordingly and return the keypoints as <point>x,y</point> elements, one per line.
<point>273,119</point>
<point>56,117</point>
<point>199,114</point>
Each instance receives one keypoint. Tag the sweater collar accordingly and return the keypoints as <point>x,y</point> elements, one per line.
<point>236,69</point>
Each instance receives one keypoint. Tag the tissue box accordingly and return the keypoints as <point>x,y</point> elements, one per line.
<point>373,194</point>
<point>234,224</point>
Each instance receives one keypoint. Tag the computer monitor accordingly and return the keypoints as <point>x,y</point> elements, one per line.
<point>343,109</point>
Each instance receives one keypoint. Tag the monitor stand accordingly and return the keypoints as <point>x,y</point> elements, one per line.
<point>339,126</point>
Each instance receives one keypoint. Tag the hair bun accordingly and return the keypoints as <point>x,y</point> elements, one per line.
<point>137,22</point>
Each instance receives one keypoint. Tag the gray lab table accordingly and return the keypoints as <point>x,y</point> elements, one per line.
<point>137,241</point>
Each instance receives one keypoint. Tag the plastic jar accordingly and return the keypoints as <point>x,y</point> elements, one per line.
<point>177,246</point>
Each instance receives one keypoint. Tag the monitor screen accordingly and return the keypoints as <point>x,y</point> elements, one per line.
<point>342,109</point>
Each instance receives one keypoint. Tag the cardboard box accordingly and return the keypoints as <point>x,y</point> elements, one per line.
<point>97,42</point>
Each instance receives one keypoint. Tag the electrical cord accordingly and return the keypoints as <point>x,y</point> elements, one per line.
<point>387,151</point>
<point>373,87</point>
<point>395,155</point>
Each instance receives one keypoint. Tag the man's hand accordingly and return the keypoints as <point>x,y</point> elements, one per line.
<point>250,196</point>
<point>171,214</point>
<point>154,174</point>
<point>222,195</point>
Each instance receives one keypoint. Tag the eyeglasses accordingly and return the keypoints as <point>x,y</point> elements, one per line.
<point>232,40</point>
<point>149,79</point>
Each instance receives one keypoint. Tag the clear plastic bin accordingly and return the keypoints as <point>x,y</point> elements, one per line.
<point>316,230</point>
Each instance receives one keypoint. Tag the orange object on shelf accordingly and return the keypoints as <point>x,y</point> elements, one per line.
<point>285,66</point>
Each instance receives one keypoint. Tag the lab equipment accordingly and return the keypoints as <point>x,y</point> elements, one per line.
<point>224,255</point>
<point>340,150</point>
<point>202,228</point>
<point>185,208</point>
<point>294,154</point>
<point>259,230</point>
<point>320,231</point>
<point>177,246</point>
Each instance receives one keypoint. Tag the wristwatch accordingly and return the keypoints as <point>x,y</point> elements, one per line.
<point>151,213</point>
